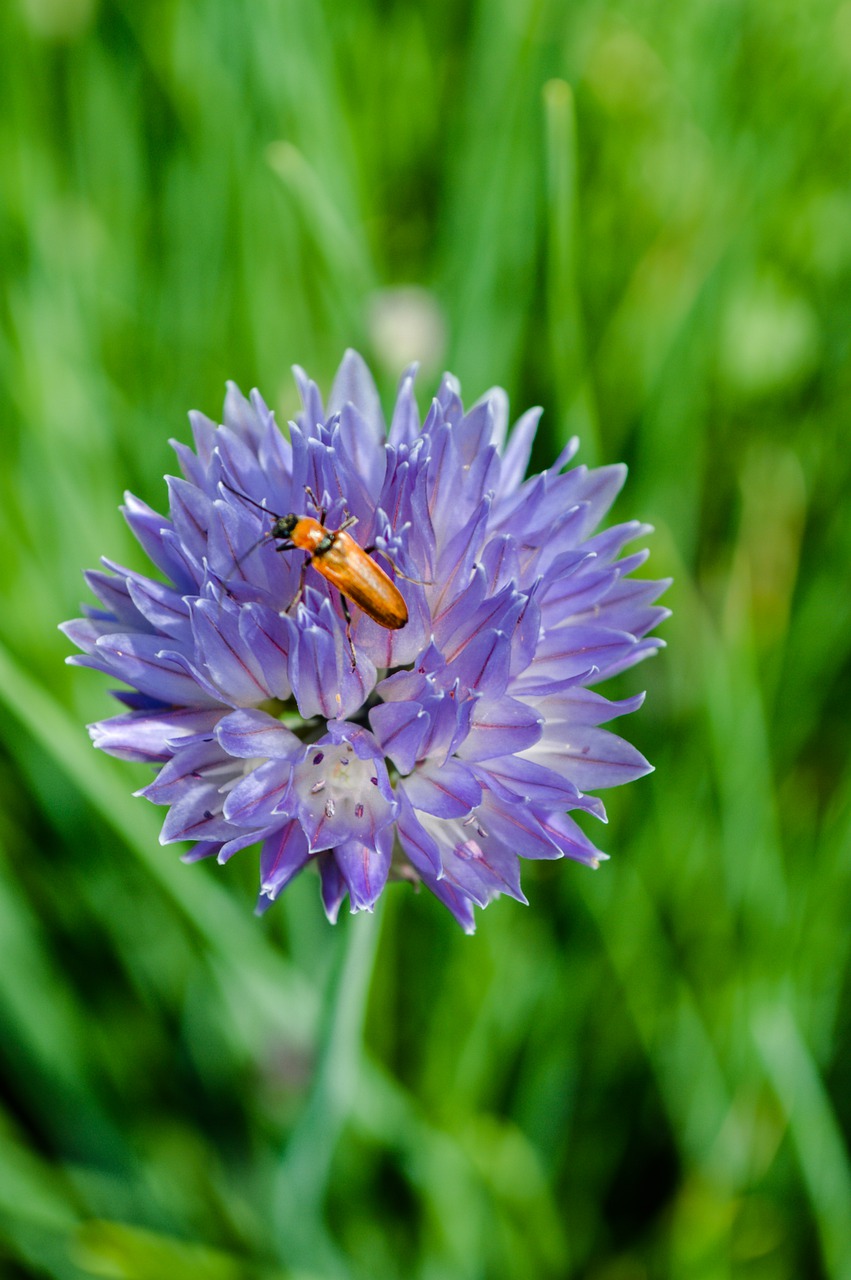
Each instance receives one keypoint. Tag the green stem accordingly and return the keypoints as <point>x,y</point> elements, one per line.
<point>305,1169</point>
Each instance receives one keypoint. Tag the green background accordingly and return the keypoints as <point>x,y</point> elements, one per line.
<point>645,1073</point>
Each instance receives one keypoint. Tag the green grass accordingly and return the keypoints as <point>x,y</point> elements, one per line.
<point>637,215</point>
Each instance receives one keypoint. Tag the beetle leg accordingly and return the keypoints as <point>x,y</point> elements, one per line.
<point>347,615</point>
<point>420,582</point>
<point>304,568</point>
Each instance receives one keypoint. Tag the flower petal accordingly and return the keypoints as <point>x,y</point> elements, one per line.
<point>151,735</point>
<point>341,795</point>
<point>365,868</point>
<point>518,451</point>
<point>420,848</point>
<point>523,779</point>
<point>250,733</point>
<point>140,660</point>
<point>260,795</point>
<point>225,656</point>
<point>593,758</point>
<point>449,790</point>
<point>149,529</point>
<point>333,885</point>
<point>281,858</point>
<point>453,897</point>
<point>267,636</point>
<point>500,727</point>
<point>161,607</point>
<point>354,384</point>
<point>400,727</point>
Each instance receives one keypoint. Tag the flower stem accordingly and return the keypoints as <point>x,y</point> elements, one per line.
<point>305,1168</point>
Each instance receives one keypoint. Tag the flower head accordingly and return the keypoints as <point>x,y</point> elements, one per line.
<point>443,750</point>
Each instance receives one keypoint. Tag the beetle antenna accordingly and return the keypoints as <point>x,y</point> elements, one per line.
<point>264,538</point>
<point>253,547</point>
<point>245,498</point>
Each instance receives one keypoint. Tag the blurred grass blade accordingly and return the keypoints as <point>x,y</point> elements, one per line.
<point>128,1253</point>
<point>814,1128</point>
<point>564,302</point>
<point>334,237</point>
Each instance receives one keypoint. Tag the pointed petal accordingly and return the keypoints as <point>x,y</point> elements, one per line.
<point>260,795</point>
<point>333,885</point>
<point>420,848</point>
<point>518,451</point>
<point>141,661</point>
<point>453,897</point>
<point>354,384</point>
<point>446,791</point>
<point>500,727</point>
<point>365,868</point>
<point>149,736</point>
<point>591,758</point>
<point>250,733</point>
<point>282,857</point>
<point>400,727</point>
<point>224,655</point>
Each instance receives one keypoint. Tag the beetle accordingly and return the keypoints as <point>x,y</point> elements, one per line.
<point>343,562</point>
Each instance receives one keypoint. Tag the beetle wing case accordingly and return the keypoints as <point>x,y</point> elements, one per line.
<point>356,574</point>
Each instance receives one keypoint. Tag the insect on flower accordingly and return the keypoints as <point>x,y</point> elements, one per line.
<point>345,563</point>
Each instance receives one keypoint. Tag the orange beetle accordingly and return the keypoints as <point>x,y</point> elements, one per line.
<point>346,565</point>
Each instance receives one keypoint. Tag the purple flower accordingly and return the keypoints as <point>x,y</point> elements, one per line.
<point>454,745</point>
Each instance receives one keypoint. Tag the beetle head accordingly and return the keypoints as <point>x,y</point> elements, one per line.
<point>284,525</point>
